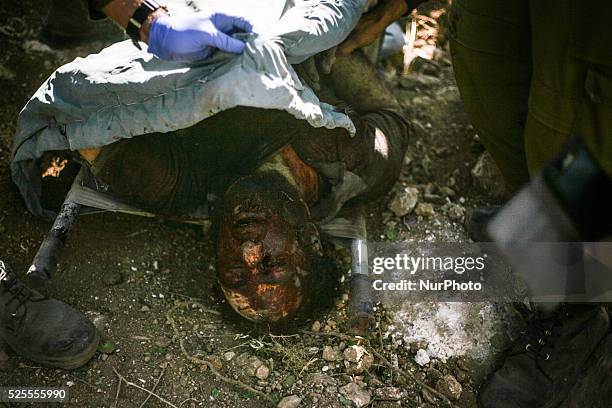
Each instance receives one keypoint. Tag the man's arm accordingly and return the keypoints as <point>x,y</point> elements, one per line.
<point>374,23</point>
<point>122,10</point>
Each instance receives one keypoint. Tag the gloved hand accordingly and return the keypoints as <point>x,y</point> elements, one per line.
<point>192,37</point>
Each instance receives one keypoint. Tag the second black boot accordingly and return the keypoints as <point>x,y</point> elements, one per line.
<point>44,330</point>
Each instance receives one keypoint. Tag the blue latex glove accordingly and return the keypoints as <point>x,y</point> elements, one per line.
<point>192,37</point>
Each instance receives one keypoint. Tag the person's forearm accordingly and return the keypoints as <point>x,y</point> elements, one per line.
<point>388,11</point>
<point>122,10</point>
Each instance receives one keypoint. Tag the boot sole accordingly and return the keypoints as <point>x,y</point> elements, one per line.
<point>67,363</point>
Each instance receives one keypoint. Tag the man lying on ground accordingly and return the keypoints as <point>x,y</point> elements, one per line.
<point>276,178</point>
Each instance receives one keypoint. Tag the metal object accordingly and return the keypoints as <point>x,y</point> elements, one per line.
<point>361,305</point>
<point>48,254</point>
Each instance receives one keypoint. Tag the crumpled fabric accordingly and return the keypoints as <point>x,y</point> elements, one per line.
<point>123,92</point>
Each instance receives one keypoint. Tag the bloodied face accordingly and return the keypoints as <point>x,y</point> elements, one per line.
<point>266,248</point>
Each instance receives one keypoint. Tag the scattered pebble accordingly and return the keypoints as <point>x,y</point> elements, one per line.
<point>422,358</point>
<point>449,387</point>
<point>425,210</point>
<point>356,393</point>
<point>404,201</point>
<point>291,401</point>
<point>354,353</point>
<point>262,372</point>
<point>331,354</point>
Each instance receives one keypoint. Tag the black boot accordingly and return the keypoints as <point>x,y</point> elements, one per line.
<point>548,359</point>
<point>46,331</point>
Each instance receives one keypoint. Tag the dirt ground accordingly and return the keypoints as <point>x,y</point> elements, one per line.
<point>150,285</point>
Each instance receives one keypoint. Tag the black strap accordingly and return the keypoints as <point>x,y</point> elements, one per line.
<point>138,18</point>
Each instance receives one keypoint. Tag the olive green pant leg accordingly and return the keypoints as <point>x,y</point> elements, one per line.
<point>492,64</point>
<point>571,90</point>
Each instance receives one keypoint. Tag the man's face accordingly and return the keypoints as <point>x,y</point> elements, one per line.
<point>262,266</point>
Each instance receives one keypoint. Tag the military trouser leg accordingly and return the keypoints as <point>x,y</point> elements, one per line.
<point>571,87</point>
<point>492,64</point>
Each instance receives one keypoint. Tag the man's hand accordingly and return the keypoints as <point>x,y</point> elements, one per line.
<point>372,24</point>
<point>192,37</point>
<point>184,37</point>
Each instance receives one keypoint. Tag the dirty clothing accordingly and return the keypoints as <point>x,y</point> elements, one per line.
<point>184,173</point>
<point>530,74</point>
<point>123,92</point>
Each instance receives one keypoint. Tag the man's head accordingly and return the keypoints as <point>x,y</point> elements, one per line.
<point>266,249</point>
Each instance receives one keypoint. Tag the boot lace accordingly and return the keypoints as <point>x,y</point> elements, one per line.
<point>18,296</point>
<point>539,336</point>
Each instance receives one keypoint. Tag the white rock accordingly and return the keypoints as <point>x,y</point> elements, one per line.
<point>262,372</point>
<point>354,353</point>
<point>450,387</point>
<point>358,395</point>
<point>404,201</point>
<point>422,358</point>
<point>291,401</point>
<point>488,178</point>
<point>425,210</point>
<point>331,354</point>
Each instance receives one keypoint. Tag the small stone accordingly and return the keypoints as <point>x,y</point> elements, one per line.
<point>422,358</point>
<point>228,355</point>
<point>289,381</point>
<point>404,201</point>
<point>425,210</point>
<point>163,342</point>
<point>449,387</point>
<point>388,393</point>
<point>433,374</point>
<point>262,372</point>
<point>248,364</point>
<point>331,354</point>
<point>462,376</point>
<point>362,366</point>
<point>291,401</point>
<point>311,351</point>
<point>354,353</point>
<point>357,394</point>
<point>316,326</point>
<point>216,362</point>
<point>111,278</point>
<point>488,178</point>
<point>321,379</point>
<point>456,212</point>
<point>418,344</point>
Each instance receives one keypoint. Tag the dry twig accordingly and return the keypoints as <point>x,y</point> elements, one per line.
<point>206,363</point>
<point>131,384</point>
<point>154,387</point>
<point>411,377</point>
